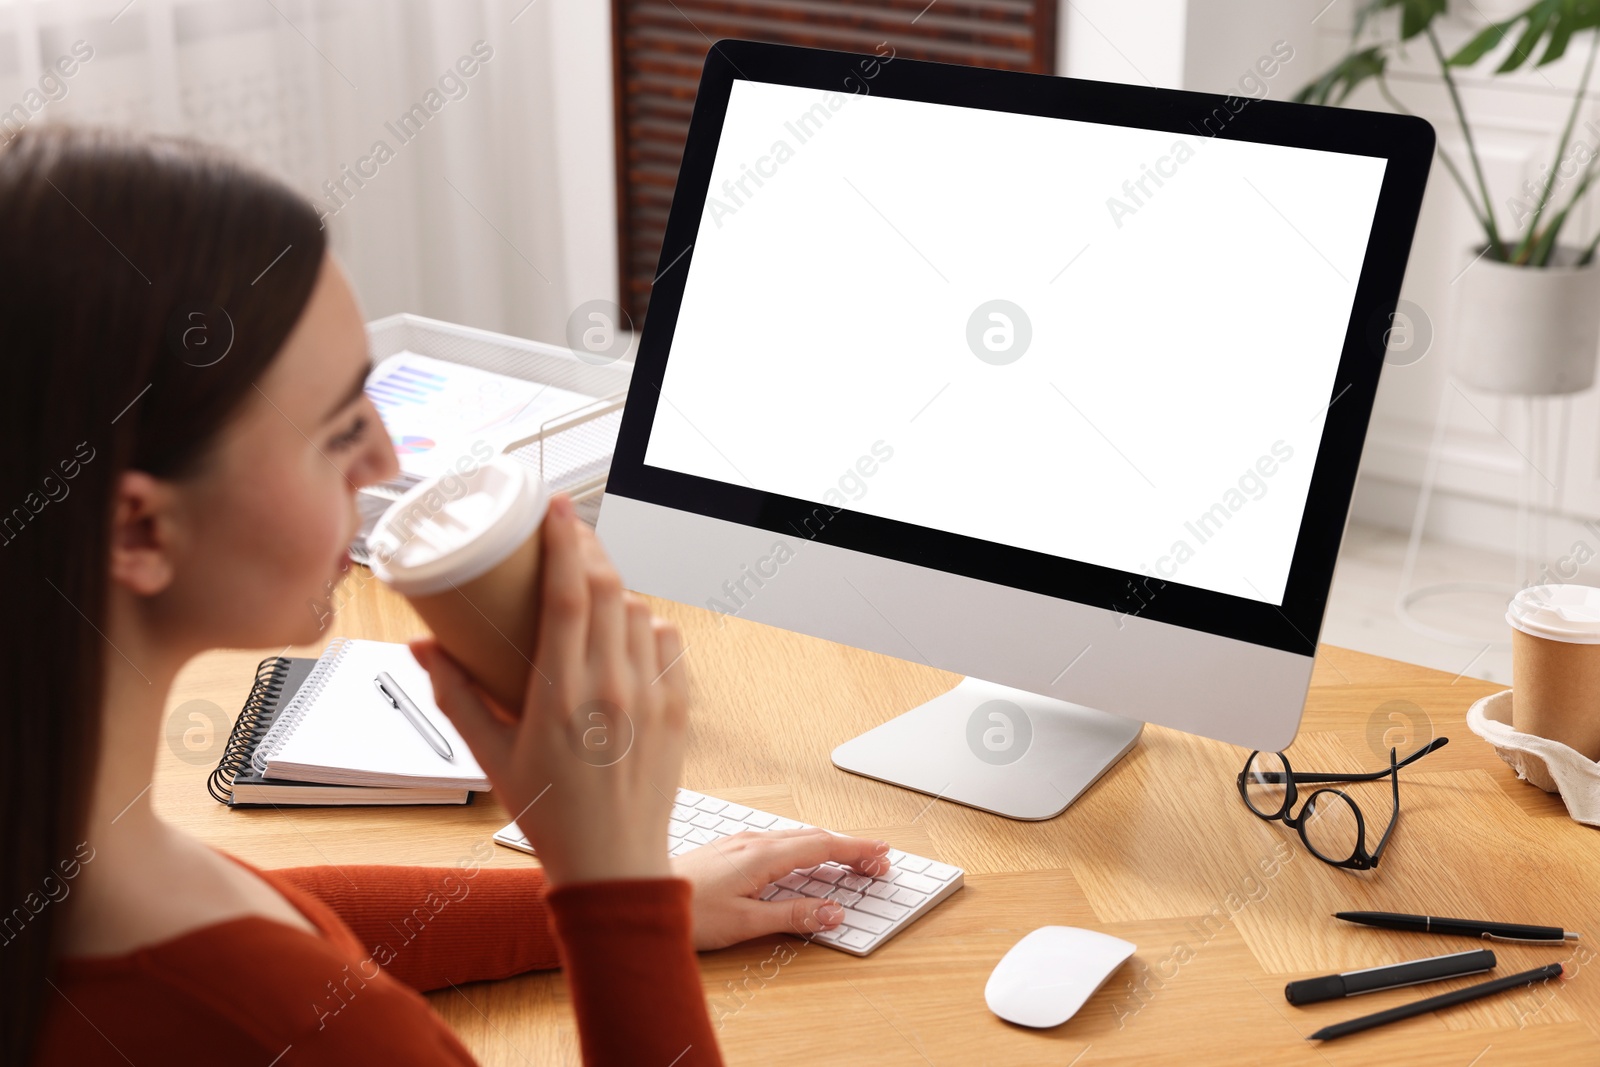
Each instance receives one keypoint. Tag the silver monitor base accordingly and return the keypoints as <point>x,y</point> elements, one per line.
<point>993,748</point>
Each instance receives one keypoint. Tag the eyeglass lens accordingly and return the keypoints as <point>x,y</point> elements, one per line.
<point>1266,784</point>
<point>1330,825</point>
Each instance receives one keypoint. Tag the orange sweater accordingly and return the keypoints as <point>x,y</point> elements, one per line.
<point>252,990</point>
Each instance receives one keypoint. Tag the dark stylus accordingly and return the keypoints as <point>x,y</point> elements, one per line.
<point>1390,976</point>
<point>1432,924</point>
<point>1443,1000</point>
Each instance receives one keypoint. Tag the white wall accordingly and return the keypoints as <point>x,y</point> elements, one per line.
<point>1226,39</point>
<point>1481,475</point>
<point>585,150</point>
<point>1209,45</point>
<point>1114,40</point>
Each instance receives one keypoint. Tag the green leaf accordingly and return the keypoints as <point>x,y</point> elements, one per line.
<point>1415,15</point>
<point>1344,78</point>
<point>1559,40</point>
<point>1551,22</point>
<point>1539,17</point>
<point>1485,42</point>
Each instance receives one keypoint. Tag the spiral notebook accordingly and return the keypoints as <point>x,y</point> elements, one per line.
<point>318,732</point>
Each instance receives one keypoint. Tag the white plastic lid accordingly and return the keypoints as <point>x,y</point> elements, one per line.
<point>454,527</point>
<point>1568,613</point>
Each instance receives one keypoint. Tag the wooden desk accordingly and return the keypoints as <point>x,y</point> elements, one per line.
<point>1160,844</point>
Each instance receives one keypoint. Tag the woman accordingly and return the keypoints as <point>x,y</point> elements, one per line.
<point>185,431</point>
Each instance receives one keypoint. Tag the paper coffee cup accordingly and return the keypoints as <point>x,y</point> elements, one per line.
<point>463,548</point>
<point>1555,664</point>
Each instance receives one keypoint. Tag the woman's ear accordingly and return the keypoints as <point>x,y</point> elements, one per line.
<point>144,526</point>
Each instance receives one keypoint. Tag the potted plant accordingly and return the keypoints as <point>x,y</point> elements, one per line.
<point>1528,306</point>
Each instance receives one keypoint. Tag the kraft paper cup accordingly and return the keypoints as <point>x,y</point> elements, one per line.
<point>463,548</point>
<point>1555,664</point>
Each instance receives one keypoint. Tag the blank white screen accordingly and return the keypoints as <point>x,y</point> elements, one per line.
<point>1163,419</point>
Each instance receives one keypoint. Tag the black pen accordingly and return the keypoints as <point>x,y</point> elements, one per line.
<point>1443,1000</point>
<point>1391,976</point>
<point>1431,924</point>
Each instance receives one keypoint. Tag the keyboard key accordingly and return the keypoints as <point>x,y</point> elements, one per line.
<point>784,894</point>
<point>711,804</point>
<point>862,921</point>
<point>706,819</point>
<point>828,874</point>
<point>683,812</point>
<point>920,883</point>
<point>882,908</point>
<point>736,811</point>
<point>856,938</point>
<point>729,827</point>
<point>942,871</point>
<point>677,829</point>
<point>786,824</point>
<point>679,848</point>
<point>882,890</point>
<point>834,934</point>
<point>910,898</point>
<point>816,889</point>
<point>761,820</point>
<point>689,797</point>
<point>914,864</point>
<point>700,836</point>
<point>849,898</point>
<point>895,855</point>
<point>792,881</point>
<point>858,882</point>
<point>771,891</point>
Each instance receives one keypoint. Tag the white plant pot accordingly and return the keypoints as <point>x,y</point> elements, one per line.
<point>1528,330</point>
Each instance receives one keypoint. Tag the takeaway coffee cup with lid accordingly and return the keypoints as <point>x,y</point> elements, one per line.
<point>1555,665</point>
<point>463,548</point>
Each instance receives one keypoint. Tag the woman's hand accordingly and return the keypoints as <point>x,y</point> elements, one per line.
<point>603,668</point>
<point>729,874</point>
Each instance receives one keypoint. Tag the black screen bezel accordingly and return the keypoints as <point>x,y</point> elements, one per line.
<point>1405,142</point>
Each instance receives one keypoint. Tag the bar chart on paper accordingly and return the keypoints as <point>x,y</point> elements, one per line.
<point>436,411</point>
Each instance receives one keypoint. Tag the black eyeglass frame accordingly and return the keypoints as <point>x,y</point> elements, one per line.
<point>1360,859</point>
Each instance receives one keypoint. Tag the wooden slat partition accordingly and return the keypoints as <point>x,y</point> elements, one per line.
<point>660,46</point>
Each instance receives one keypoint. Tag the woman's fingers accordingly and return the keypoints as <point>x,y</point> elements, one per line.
<point>799,915</point>
<point>641,639</point>
<point>479,725</point>
<point>608,624</point>
<point>564,608</point>
<point>803,916</point>
<point>672,672</point>
<point>767,856</point>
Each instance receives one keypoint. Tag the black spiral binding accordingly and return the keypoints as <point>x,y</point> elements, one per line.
<point>250,727</point>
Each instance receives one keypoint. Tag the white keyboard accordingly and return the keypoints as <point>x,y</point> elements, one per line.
<point>875,909</point>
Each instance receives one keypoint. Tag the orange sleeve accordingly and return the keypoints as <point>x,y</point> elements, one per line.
<point>431,926</point>
<point>630,965</point>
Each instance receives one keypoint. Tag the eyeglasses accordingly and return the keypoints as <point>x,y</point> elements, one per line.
<point>1330,823</point>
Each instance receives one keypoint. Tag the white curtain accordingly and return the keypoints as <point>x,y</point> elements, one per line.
<point>455,213</point>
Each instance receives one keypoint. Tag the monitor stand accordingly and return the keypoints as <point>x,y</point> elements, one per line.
<point>993,748</point>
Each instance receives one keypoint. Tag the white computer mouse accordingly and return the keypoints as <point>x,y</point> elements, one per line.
<point>1049,974</point>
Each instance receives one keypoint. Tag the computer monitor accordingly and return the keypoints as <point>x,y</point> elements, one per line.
<point>1059,385</point>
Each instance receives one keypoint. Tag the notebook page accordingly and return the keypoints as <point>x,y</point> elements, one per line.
<point>351,734</point>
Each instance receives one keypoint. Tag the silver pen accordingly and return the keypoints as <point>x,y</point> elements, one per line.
<point>397,697</point>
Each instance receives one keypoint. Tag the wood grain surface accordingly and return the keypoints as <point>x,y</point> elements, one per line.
<point>1225,908</point>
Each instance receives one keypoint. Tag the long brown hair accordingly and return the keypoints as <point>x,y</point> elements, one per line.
<point>128,265</point>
